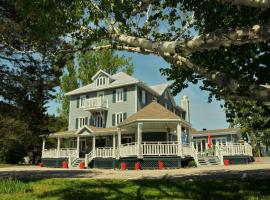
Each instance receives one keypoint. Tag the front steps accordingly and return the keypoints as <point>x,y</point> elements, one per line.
<point>208,160</point>
<point>76,162</point>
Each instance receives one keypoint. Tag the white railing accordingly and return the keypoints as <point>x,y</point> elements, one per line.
<point>62,153</point>
<point>159,149</point>
<point>95,103</point>
<point>130,149</point>
<point>195,154</point>
<point>89,157</point>
<point>105,152</point>
<point>219,153</point>
<point>237,149</point>
<point>187,151</point>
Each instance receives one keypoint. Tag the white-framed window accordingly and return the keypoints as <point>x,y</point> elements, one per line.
<point>220,140</point>
<point>119,117</point>
<point>81,122</point>
<point>82,101</point>
<point>101,81</point>
<point>99,121</point>
<point>126,139</point>
<point>143,97</point>
<point>120,95</point>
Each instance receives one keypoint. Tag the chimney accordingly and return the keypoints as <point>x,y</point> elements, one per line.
<point>185,106</point>
<point>204,129</point>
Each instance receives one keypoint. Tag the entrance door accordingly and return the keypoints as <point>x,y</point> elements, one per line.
<point>82,145</point>
<point>200,145</point>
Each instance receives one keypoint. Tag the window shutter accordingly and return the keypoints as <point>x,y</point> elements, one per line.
<point>113,119</point>
<point>124,116</point>
<point>114,96</point>
<point>86,121</point>
<point>87,96</point>
<point>78,102</point>
<point>125,94</point>
<point>146,97</point>
<point>77,123</point>
<point>140,95</point>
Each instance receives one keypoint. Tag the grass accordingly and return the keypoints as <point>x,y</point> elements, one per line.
<point>5,165</point>
<point>67,189</point>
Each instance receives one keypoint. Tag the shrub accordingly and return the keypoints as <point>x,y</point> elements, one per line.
<point>8,186</point>
<point>192,163</point>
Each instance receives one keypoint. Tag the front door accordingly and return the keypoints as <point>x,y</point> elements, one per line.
<point>82,145</point>
<point>200,145</point>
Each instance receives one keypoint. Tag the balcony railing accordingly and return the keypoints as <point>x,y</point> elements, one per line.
<point>97,103</point>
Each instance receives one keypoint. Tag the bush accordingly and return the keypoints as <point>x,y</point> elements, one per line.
<point>8,186</point>
<point>192,163</point>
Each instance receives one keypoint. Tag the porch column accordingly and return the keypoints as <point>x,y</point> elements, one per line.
<point>43,144</point>
<point>114,146</point>
<point>139,140</point>
<point>179,139</point>
<point>93,144</point>
<point>58,146</point>
<point>119,141</point>
<point>78,146</point>
<point>189,136</point>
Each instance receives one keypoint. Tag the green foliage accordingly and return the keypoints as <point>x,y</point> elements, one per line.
<point>253,118</point>
<point>192,163</point>
<point>11,186</point>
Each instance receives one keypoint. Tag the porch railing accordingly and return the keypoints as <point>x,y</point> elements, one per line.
<point>159,149</point>
<point>62,153</point>
<point>237,149</point>
<point>96,103</point>
<point>130,149</point>
<point>105,152</point>
<point>187,151</point>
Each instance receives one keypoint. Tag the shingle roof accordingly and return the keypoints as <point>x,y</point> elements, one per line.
<point>216,131</point>
<point>160,88</point>
<point>120,78</point>
<point>153,111</point>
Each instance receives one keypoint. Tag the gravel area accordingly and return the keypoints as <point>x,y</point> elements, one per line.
<point>254,171</point>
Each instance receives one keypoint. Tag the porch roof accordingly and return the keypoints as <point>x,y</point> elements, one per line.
<point>92,129</point>
<point>152,112</point>
<point>226,131</point>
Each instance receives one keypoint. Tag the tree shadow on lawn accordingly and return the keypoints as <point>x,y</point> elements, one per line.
<point>209,185</point>
<point>161,189</point>
<point>34,175</point>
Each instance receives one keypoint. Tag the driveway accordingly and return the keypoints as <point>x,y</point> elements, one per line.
<point>254,171</point>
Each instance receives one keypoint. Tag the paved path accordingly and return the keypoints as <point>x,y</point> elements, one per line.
<point>254,171</point>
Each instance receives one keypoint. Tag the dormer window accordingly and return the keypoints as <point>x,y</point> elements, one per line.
<point>101,81</point>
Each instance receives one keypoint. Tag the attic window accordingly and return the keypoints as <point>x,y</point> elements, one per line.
<point>101,81</point>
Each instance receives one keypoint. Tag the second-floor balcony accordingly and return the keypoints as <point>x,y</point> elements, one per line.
<point>96,104</point>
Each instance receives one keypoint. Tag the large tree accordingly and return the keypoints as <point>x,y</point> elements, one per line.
<point>221,42</point>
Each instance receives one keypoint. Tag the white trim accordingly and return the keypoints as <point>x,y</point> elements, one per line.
<point>119,95</point>
<point>99,72</point>
<point>136,98</point>
<point>82,97</point>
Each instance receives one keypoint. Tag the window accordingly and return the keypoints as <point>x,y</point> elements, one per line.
<point>143,96</point>
<point>82,101</point>
<point>119,95</point>
<point>101,81</point>
<point>126,139</point>
<point>118,118</point>
<point>99,121</point>
<point>81,121</point>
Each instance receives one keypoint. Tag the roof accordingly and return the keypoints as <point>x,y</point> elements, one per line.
<point>92,129</point>
<point>160,89</point>
<point>120,79</point>
<point>99,72</point>
<point>216,131</point>
<point>153,111</point>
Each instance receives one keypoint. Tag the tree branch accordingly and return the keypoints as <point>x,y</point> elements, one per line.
<point>250,3</point>
<point>143,6</point>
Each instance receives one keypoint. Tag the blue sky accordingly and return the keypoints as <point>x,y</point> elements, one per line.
<point>202,114</point>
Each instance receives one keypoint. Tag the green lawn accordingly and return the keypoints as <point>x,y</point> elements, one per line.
<point>141,189</point>
<point>5,165</point>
